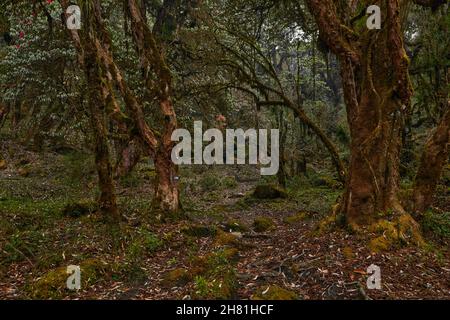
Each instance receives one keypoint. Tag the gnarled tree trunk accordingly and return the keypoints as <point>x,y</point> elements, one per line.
<point>97,106</point>
<point>166,196</point>
<point>434,157</point>
<point>374,70</point>
<point>101,100</point>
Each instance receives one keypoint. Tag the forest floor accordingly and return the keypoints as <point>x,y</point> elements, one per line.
<point>231,246</point>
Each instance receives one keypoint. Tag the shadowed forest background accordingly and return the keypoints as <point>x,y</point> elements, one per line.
<point>86,176</point>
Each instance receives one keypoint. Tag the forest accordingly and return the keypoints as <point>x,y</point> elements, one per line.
<point>224,149</point>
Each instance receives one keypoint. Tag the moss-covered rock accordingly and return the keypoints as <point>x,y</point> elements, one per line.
<point>176,278</point>
<point>231,254</point>
<point>326,225</point>
<point>214,275</point>
<point>401,231</point>
<point>23,172</point>
<point>235,225</point>
<point>80,208</point>
<point>268,191</point>
<point>200,231</point>
<point>52,285</point>
<point>262,224</point>
<point>327,181</point>
<point>296,218</point>
<point>226,239</point>
<point>3,165</point>
<point>221,286</point>
<point>274,292</point>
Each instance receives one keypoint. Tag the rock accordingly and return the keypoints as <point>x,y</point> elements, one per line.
<point>262,224</point>
<point>235,225</point>
<point>176,278</point>
<point>274,292</point>
<point>3,165</point>
<point>301,216</point>
<point>268,191</point>
<point>200,231</point>
<point>326,181</point>
<point>401,231</point>
<point>78,209</point>
<point>52,285</point>
<point>225,238</point>
<point>231,254</point>
<point>23,172</point>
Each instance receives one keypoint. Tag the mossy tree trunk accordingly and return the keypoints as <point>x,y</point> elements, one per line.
<point>4,111</point>
<point>97,106</point>
<point>166,197</point>
<point>95,45</point>
<point>102,103</point>
<point>377,92</point>
<point>434,157</point>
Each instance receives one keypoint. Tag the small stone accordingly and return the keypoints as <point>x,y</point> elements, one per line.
<point>3,164</point>
<point>262,224</point>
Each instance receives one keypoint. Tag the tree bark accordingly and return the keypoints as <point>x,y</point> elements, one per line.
<point>166,196</point>
<point>97,106</point>
<point>128,156</point>
<point>101,100</point>
<point>377,91</point>
<point>434,157</point>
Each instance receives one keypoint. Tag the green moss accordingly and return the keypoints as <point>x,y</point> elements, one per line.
<point>52,285</point>
<point>21,245</point>
<point>176,278</point>
<point>326,225</point>
<point>79,208</point>
<point>235,225</point>
<point>262,224</point>
<point>274,292</point>
<point>229,182</point>
<point>437,225</point>
<point>225,238</point>
<point>296,218</point>
<point>327,181</point>
<point>221,286</point>
<point>231,254</point>
<point>316,199</point>
<point>199,231</point>
<point>401,231</point>
<point>210,182</point>
<point>143,244</point>
<point>268,191</point>
<point>214,274</point>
